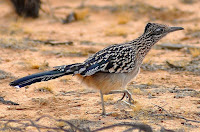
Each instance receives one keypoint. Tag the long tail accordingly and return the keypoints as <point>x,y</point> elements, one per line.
<point>48,75</point>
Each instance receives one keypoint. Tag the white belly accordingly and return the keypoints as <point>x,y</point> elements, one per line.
<point>109,81</point>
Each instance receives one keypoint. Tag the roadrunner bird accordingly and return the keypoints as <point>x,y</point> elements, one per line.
<point>110,69</point>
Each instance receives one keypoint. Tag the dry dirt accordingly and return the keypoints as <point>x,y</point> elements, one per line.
<point>101,23</point>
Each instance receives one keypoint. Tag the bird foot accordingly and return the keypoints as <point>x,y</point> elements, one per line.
<point>128,95</point>
<point>131,100</point>
<point>106,114</point>
<point>127,103</point>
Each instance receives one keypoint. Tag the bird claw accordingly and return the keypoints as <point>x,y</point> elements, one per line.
<point>130,99</point>
<point>128,103</point>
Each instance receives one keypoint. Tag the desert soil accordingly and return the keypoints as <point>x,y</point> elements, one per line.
<point>158,90</point>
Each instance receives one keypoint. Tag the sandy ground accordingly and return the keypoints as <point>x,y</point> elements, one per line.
<point>156,92</point>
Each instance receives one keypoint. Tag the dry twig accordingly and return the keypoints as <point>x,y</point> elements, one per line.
<point>24,124</point>
<point>173,115</point>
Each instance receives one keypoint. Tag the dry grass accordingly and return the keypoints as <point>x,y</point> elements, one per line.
<point>45,89</point>
<point>192,33</point>
<point>89,50</point>
<point>33,64</point>
<point>136,91</point>
<point>17,43</point>
<point>150,82</point>
<point>28,31</point>
<point>165,14</point>
<point>11,41</point>
<point>108,97</point>
<point>5,75</point>
<point>116,31</point>
<point>82,14</point>
<point>136,108</point>
<point>124,17</point>
<point>40,101</point>
<point>192,30</point>
<point>194,52</point>
<point>181,63</point>
<point>65,79</point>
<point>73,52</point>
<point>16,27</point>
<point>148,60</point>
<point>62,124</point>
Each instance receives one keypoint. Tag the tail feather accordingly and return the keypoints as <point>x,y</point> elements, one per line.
<point>46,76</point>
<point>38,77</point>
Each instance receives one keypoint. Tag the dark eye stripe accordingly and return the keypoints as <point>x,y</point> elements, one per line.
<point>158,31</point>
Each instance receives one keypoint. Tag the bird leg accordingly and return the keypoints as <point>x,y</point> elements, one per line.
<point>103,107</point>
<point>126,92</point>
<point>124,95</point>
<point>102,103</point>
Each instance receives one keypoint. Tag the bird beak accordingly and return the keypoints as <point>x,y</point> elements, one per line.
<point>172,29</point>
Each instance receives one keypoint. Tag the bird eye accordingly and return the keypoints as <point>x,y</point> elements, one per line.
<point>159,31</point>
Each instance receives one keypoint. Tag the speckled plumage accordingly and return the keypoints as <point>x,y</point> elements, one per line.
<point>111,68</point>
<point>121,58</point>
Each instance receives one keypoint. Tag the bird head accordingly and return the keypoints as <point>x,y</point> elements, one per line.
<point>157,31</point>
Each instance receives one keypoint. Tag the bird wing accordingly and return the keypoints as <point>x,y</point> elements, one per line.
<point>113,59</point>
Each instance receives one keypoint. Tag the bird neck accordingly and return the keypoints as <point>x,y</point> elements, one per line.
<point>142,46</point>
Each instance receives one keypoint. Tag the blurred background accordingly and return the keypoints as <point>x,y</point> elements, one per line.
<point>36,35</point>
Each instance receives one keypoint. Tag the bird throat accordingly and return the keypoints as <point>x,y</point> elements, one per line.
<point>143,47</point>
